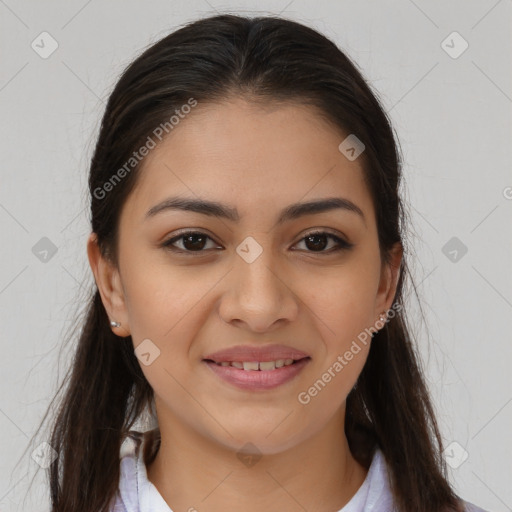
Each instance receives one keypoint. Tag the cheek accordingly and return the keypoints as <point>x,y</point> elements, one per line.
<point>343,307</point>
<point>323,394</point>
<point>159,317</point>
<point>161,299</point>
<point>344,304</point>
<point>335,372</point>
<point>164,306</point>
<point>167,305</point>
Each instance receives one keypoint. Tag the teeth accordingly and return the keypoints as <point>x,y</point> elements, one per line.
<point>253,365</point>
<point>257,365</point>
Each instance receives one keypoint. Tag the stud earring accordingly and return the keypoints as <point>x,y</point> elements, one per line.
<point>382,318</point>
<point>115,324</point>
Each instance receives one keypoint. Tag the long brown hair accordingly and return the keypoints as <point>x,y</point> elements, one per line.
<point>105,391</point>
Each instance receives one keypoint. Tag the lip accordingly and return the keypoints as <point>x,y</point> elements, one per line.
<point>258,380</point>
<point>243,353</point>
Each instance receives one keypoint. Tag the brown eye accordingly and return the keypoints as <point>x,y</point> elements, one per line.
<point>196,242</point>
<point>318,241</point>
<point>192,241</point>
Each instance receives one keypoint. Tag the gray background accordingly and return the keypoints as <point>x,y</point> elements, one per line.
<point>452,116</point>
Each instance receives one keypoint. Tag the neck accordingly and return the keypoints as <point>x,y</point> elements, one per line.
<point>194,472</point>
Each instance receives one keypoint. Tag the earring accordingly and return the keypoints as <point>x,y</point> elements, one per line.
<point>114,324</point>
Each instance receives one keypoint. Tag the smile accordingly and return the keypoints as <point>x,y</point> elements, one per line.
<point>257,375</point>
<point>258,365</point>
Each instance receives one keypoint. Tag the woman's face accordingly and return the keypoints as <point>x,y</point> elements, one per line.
<point>251,279</point>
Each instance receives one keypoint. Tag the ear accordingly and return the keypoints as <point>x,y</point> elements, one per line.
<point>390,272</point>
<point>109,285</point>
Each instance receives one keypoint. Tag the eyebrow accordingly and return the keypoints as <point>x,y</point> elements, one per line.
<point>291,212</point>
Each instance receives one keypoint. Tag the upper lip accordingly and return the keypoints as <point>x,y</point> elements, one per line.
<point>260,353</point>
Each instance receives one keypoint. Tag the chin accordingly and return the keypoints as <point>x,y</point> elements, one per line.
<point>255,441</point>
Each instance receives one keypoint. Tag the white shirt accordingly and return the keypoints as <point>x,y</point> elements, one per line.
<point>137,494</point>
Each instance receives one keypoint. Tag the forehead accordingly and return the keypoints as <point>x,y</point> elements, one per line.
<point>252,156</point>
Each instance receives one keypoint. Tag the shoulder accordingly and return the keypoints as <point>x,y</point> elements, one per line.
<point>375,493</point>
<point>469,507</point>
<point>136,449</point>
<point>379,495</point>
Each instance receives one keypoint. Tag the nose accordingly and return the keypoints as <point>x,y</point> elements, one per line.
<point>258,295</point>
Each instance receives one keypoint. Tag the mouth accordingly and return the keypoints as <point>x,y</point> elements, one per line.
<point>257,365</point>
<point>257,375</point>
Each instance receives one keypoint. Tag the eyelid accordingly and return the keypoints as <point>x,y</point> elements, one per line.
<point>324,231</point>
<point>167,243</point>
<point>340,240</point>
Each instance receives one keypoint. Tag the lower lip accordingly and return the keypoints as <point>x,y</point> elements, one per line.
<point>258,379</point>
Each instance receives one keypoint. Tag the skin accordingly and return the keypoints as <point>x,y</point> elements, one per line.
<point>258,160</point>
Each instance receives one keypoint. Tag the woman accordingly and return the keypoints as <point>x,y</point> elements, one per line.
<point>249,262</point>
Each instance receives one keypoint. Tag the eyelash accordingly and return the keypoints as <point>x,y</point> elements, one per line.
<point>342,244</point>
